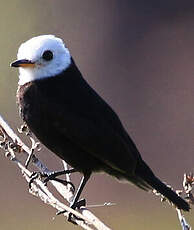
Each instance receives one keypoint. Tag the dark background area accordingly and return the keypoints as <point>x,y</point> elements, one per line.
<point>139,56</point>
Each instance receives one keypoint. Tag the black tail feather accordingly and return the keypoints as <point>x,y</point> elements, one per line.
<point>145,173</point>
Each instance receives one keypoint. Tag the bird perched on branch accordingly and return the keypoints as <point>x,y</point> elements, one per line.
<point>74,122</point>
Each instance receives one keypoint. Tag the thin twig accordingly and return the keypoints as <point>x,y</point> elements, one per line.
<point>182,220</point>
<point>188,182</point>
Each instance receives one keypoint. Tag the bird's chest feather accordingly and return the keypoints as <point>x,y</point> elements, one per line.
<point>28,100</point>
<point>45,106</point>
<point>34,107</point>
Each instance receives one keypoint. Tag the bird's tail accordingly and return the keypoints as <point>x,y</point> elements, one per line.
<point>147,176</point>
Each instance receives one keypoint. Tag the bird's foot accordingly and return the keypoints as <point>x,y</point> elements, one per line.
<point>64,182</point>
<point>53,175</point>
<point>36,175</point>
<point>74,205</point>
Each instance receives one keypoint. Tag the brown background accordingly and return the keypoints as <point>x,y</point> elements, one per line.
<point>139,55</point>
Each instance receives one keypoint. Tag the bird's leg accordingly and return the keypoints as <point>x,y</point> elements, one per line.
<point>83,182</point>
<point>75,203</point>
<point>52,176</point>
<point>65,182</point>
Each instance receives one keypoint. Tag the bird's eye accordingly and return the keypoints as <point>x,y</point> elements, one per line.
<point>47,55</point>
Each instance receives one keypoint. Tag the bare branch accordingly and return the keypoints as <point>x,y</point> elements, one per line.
<point>182,220</point>
<point>12,145</point>
<point>188,182</point>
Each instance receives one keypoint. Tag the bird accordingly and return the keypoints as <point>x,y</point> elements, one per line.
<point>72,120</point>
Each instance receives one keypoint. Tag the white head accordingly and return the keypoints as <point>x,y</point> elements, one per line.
<point>41,57</point>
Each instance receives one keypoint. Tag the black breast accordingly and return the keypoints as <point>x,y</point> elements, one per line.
<point>50,107</point>
<point>27,97</point>
<point>43,102</point>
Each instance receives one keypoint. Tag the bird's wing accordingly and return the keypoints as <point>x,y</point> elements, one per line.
<point>97,139</point>
<point>81,115</point>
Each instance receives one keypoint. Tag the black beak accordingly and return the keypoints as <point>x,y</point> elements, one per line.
<point>23,63</point>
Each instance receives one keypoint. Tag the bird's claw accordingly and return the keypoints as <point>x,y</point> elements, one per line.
<point>52,176</point>
<point>41,175</point>
<point>78,204</point>
<point>64,182</point>
<point>35,175</point>
<point>75,205</point>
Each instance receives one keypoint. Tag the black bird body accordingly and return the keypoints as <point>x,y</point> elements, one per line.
<point>69,117</point>
<point>73,121</point>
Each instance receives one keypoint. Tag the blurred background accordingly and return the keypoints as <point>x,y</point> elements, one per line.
<point>139,56</point>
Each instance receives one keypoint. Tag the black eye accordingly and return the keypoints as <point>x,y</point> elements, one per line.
<point>47,55</point>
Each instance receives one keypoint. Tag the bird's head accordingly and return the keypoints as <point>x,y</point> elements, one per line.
<point>41,57</point>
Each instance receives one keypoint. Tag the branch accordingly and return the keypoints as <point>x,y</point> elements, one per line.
<point>182,220</point>
<point>188,182</point>
<point>13,146</point>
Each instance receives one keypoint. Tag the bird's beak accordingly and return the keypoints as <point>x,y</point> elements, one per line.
<point>24,63</point>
